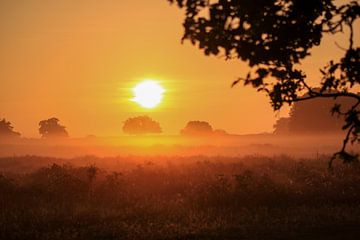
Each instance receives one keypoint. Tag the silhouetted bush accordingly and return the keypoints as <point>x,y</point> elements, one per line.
<point>7,130</point>
<point>51,128</point>
<point>141,125</point>
<point>312,117</point>
<point>197,128</point>
<point>199,198</point>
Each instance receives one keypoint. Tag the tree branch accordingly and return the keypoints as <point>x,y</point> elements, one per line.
<point>342,153</point>
<point>328,95</point>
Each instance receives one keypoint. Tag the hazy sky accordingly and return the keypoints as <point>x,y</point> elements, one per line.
<point>78,60</point>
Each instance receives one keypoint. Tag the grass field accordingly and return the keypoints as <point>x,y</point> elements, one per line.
<point>251,197</point>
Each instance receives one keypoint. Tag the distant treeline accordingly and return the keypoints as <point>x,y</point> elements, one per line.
<point>304,118</point>
<point>51,128</point>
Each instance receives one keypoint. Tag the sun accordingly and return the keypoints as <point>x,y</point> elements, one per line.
<point>148,93</point>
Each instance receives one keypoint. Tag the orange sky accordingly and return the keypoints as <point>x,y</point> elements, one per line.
<point>78,60</point>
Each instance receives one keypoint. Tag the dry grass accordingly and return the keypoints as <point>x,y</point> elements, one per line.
<point>178,198</point>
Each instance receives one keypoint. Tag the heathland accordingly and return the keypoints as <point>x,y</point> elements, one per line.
<point>174,197</point>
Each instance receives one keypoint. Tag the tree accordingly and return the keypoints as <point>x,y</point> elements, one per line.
<point>197,128</point>
<point>220,132</point>
<point>7,130</point>
<point>141,125</point>
<point>274,37</point>
<point>51,128</point>
<point>312,117</point>
<point>282,126</point>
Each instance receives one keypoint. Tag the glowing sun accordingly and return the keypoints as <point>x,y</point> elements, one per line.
<point>148,93</point>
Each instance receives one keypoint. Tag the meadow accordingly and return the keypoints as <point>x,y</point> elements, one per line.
<point>198,197</point>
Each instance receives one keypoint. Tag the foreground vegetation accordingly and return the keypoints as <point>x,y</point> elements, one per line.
<point>178,198</point>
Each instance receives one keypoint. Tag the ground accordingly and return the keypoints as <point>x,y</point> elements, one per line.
<point>253,197</point>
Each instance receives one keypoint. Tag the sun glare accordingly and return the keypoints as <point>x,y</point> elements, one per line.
<point>148,93</point>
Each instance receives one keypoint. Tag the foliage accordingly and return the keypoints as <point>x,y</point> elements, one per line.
<point>7,130</point>
<point>220,132</point>
<point>197,128</point>
<point>141,125</point>
<point>195,198</point>
<point>312,117</point>
<point>274,37</point>
<point>51,128</point>
<point>282,126</point>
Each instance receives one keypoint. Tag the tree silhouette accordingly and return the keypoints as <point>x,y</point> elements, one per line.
<point>51,128</point>
<point>282,126</point>
<point>7,130</point>
<point>220,132</point>
<point>141,125</point>
<point>315,115</point>
<point>197,128</point>
<point>312,117</point>
<point>273,37</point>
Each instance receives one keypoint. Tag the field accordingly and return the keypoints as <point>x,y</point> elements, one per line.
<point>203,197</point>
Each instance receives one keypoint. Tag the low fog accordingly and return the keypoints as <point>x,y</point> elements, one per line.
<point>151,145</point>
